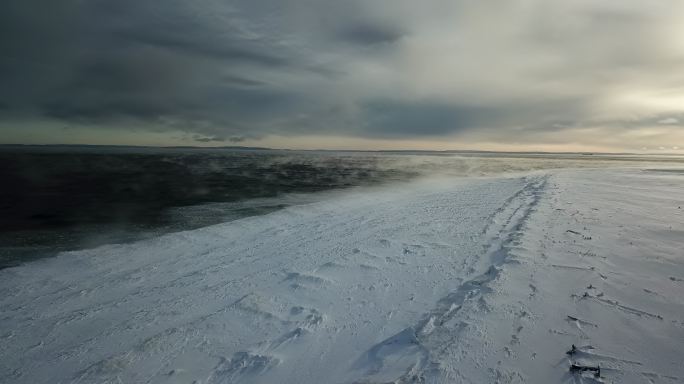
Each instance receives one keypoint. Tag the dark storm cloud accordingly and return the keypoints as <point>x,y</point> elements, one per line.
<point>414,119</point>
<point>136,83</point>
<point>189,40</point>
<point>239,69</point>
<point>241,81</point>
<point>208,139</point>
<point>106,60</point>
<point>371,34</point>
<point>237,139</point>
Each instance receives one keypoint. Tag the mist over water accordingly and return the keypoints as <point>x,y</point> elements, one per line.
<point>67,198</point>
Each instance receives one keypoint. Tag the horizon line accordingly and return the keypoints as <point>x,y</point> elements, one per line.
<point>257,148</point>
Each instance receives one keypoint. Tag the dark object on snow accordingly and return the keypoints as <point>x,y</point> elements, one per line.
<point>572,350</point>
<point>583,368</point>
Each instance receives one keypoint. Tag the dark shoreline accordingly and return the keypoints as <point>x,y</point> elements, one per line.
<point>59,201</point>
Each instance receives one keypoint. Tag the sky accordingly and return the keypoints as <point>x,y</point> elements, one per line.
<point>557,75</point>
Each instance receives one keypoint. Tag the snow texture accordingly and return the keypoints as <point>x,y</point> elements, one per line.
<point>474,280</point>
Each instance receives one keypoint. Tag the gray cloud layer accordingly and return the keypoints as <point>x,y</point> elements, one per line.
<point>229,70</point>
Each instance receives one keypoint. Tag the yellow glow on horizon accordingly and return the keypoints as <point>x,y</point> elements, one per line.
<point>591,139</point>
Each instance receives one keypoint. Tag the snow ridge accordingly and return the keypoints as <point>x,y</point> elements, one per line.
<point>422,347</point>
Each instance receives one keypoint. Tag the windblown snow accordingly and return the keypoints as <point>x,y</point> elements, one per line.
<point>475,280</point>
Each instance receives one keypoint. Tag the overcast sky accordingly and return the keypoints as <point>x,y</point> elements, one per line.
<point>430,74</point>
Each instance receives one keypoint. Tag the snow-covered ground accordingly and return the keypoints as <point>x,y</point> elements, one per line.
<point>472,280</point>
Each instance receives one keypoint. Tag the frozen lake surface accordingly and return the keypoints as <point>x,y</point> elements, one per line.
<point>436,280</point>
